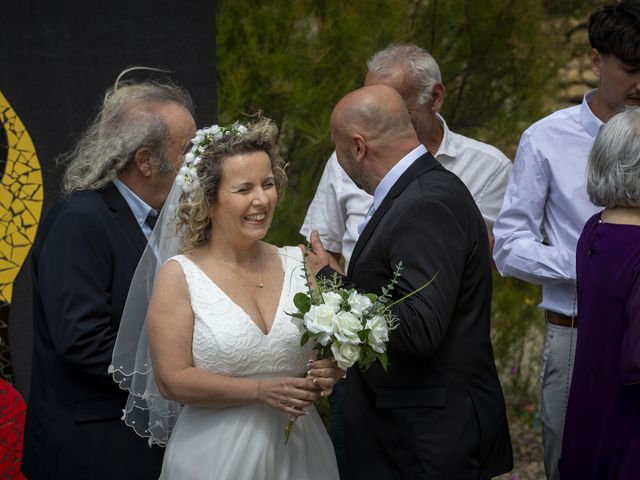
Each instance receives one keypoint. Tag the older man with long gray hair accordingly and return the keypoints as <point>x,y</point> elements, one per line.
<point>117,179</point>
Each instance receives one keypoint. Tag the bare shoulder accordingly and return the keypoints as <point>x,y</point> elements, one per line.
<point>170,281</point>
<point>172,270</point>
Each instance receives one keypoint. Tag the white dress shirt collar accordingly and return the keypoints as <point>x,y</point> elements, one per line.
<point>447,146</point>
<point>590,122</point>
<point>395,173</point>
<point>389,180</point>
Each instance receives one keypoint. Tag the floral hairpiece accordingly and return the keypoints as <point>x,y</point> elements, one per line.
<point>187,177</point>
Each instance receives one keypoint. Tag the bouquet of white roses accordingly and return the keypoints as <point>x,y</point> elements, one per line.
<point>347,325</point>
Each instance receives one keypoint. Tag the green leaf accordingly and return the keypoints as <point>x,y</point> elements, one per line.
<point>384,360</point>
<point>304,339</point>
<point>302,302</point>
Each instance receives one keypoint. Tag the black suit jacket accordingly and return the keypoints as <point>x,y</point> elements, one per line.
<point>438,412</point>
<point>84,257</point>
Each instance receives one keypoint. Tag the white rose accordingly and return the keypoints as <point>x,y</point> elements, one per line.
<point>216,132</point>
<point>347,327</point>
<point>319,319</point>
<point>198,138</point>
<point>346,354</point>
<point>240,128</point>
<point>378,332</point>
<point>333,300</point>
<point>358,303</point>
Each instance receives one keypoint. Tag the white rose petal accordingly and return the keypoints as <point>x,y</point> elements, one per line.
<point>347,327</point>
<point>333,299</point>
<point>346,354</point>
<point>324,339</point>
<point>184,170</point>
<point>189,158</point>
<point>198,138</point>
<point>358,303</point>
<point>319,319</point>
<point>378,331</point>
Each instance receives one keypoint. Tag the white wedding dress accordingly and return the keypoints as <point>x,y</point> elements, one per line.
<point>246,442</point>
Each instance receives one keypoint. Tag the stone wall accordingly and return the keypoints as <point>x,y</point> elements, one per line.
<point>576,78</point>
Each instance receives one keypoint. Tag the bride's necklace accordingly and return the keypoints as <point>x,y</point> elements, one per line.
<point>243,278</point>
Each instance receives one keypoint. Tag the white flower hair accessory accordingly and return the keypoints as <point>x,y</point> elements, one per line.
<point>187,176</point>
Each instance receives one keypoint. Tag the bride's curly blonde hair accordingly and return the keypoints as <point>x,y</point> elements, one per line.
<point>194,209</point>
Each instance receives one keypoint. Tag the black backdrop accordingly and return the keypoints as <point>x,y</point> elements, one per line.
<point>57,58</point>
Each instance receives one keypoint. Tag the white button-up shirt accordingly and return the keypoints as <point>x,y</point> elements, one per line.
<point>546,205</point>
<point>339,207</point>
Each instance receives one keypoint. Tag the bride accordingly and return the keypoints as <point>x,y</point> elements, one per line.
<point>220,339</point>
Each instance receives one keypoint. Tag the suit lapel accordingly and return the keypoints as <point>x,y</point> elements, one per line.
<point>422,165</point>
<point>124,216</point>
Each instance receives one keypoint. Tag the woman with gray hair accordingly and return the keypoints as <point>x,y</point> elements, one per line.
<point>602,425</point>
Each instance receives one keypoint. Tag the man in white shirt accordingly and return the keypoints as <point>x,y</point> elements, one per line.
<point>546,203</point>
<point>339,206</point>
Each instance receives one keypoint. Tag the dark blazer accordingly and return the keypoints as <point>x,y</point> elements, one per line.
<point>84,257</point>
<point>438,412</point>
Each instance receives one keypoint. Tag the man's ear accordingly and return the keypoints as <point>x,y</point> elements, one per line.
<point>437,97</point>
<point>358,147</point>
<point>142,161</point>
<point>596,61</point>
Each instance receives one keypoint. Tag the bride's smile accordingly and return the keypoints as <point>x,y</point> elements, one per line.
<point>246,198</point>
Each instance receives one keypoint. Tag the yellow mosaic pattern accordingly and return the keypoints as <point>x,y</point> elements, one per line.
<point>21,197</point>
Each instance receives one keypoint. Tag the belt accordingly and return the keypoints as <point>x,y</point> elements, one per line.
<point>555,318</point>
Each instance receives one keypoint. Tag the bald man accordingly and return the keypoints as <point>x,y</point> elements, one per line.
<point>438,412</point>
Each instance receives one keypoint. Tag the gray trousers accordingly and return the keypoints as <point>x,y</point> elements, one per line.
<point>555,377</point>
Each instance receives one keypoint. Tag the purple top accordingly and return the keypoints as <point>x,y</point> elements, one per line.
<point>602,426</point>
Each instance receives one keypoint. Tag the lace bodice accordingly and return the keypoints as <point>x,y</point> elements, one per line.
<point>226,340</point>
